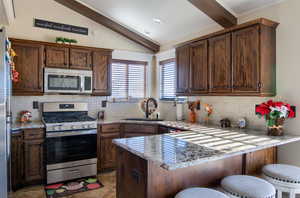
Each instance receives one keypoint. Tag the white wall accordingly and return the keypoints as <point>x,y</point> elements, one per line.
<point>288,53</point>
<point>100,36</point>
<point>288,40</point>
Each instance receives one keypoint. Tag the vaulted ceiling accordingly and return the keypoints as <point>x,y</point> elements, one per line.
<point>178,18</point>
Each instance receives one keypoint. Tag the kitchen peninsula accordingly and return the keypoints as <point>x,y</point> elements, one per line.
<point>160,166</point>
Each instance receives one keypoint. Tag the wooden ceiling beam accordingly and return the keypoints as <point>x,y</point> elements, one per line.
<point>103,20</point>
<point>216,12</point>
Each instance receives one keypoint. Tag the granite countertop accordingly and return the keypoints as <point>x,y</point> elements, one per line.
<point>199,145</point>
<point>31,125</point>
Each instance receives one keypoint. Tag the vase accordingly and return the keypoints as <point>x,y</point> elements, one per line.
<point>192,117</point>
<point>277,129</point>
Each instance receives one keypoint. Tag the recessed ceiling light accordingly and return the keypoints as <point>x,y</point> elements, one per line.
<point>157,20</point>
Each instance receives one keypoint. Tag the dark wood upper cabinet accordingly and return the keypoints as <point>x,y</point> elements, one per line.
<point>245,50</point>
<point>80,59</point>
<point>239,61</point>
<point>102,73</point>
<point>183,69</point>
<point>198,68</point>
<point>29,63</point>
<point>57,57</point>
<point>220,74</point>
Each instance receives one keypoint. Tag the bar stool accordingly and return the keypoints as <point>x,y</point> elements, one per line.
<point>200,193</point>
<point>285,178</point>
<point>243,186</point>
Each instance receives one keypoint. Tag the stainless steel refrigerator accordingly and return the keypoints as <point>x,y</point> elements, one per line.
<point>5,116</point>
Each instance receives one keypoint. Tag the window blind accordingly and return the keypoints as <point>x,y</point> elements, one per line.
<point>167,79</point>
<point>128,79</point>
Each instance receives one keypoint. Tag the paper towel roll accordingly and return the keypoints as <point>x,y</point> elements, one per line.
<point>179,112</point>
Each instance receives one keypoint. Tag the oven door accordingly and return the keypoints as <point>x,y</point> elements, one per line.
<point>64,149</point>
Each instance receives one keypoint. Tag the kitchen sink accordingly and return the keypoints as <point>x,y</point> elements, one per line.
<point>143,119</point>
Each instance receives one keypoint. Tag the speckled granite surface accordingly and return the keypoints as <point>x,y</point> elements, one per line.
<point>200,145</point>
<point>31,125</point>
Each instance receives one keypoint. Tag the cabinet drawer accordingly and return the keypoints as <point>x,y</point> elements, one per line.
<point>33,134</point>
<point>138,128</point>
<point>109,128</point>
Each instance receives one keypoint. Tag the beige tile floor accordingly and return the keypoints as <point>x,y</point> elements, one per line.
<point>108,191</point>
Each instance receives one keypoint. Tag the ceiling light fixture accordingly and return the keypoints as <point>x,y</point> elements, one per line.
<point>157,20</point>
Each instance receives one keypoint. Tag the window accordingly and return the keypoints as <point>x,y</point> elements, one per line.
<point>167,79</point>
<point>128,80</point>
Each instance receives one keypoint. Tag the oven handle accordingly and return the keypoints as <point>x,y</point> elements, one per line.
<point>70,133</point>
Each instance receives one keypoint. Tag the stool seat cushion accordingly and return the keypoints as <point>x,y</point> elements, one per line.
<point>200,193</point>
<point>248,187</point>
<point>282,172</point>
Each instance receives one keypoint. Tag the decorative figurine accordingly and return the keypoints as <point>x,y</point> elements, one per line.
<point>209,109</point>
<point>193,106</point>
<point>225,123</point>
<point>25,116</point>
<point>242,123</point>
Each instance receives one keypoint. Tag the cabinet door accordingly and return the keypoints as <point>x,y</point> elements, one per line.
<point>220,64</point>
<point>107,152</point>
<point>80,59</point>
<point>29,63</point>
<point>255,161</point>
<point>245,49</point>
<point>57,57</point>
<point>102,73</point>
<point>17,159</point>
<point>183,70</point>
<point>34,167</point>
<point>199,68</point>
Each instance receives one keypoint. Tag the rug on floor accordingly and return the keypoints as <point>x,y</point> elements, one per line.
<point>72,187</point>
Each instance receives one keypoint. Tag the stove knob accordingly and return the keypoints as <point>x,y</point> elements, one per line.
<point>85,126</point>
<point>74,127</point>
<point>91,126</point>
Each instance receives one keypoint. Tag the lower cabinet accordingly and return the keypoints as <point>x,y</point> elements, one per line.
<point>34,166</point>
<point>108,152</point>
<point>255,161</point>
<point>17,160</point>
<point>27,161</point>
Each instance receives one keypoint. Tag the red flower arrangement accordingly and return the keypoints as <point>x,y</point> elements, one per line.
<point>275,112</point>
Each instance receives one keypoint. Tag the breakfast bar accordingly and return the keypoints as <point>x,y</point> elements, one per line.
<point>160,166</point>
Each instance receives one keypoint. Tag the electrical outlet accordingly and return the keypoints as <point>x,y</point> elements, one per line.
<point>35,105</point>
<point>104,103</point>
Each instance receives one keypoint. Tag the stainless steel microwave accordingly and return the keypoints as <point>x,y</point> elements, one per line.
<point>68,81</point>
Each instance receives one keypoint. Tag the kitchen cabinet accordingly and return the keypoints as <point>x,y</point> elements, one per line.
<point>239,61</point>
<point>220,74</point>
<point>29,63</point>
<point>245,50</point>
<point>27,161</point>
<point>33,155</point>
<point>255,161</point>
<point>57,57</point>
<point>80,58</point>
<point>182,69</point>
<point>106,150</point>
<point>17,160</point>
<point>198,68</point>
<point>135,130</point>
<point>102,73</point>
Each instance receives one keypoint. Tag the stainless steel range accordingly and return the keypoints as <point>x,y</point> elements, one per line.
<point>71,141</point>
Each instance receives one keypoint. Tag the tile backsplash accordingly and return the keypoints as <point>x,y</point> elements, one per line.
<point>113,111</point>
